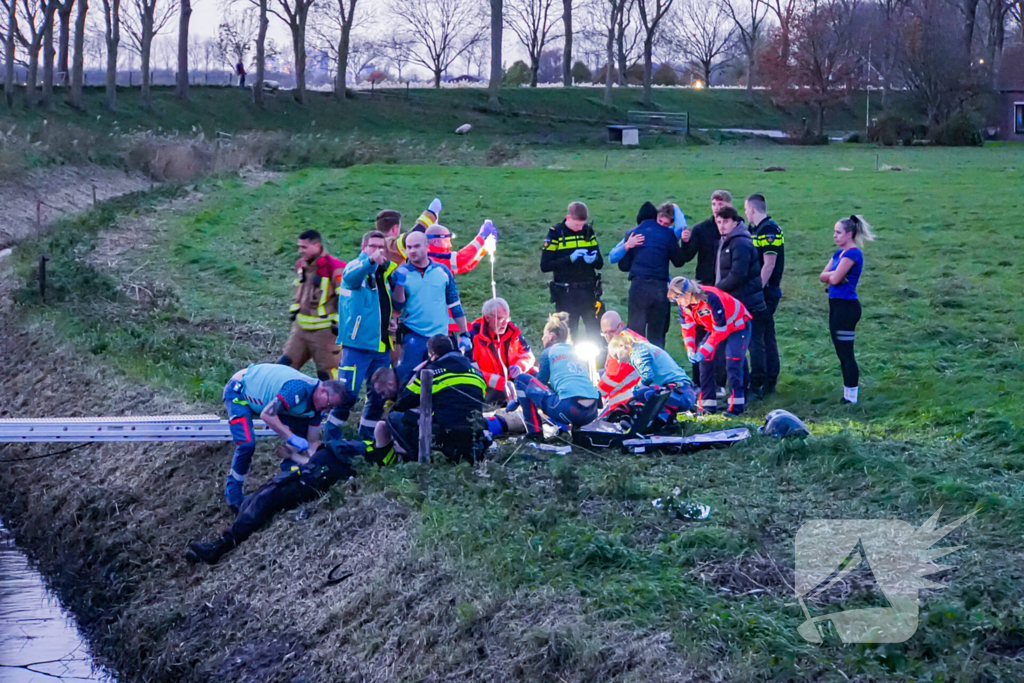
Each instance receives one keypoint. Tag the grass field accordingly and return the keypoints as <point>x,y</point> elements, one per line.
<point>185,293</point>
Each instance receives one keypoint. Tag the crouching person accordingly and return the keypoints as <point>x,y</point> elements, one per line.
<point>727,323</point>
<point>657,370</point>
<point>288,490</point>
<point>562,389</point>
<point>500,351</point>
<point>288,401</point>
<point>457,400</point>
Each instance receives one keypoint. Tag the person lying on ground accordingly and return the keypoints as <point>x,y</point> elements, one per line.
<point>618,379</point>
<point>657,370</point>
<point>727,325</point>
<point>500,351</point>
<point>562,390</point>
<point>457,393</point>
<point>288,401</point>
<point>331,463</point>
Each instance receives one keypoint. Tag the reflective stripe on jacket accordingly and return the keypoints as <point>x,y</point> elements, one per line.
<point>721,315</point>
<point>316,298</point>
<point>619,379</point>
<point>495,357</point>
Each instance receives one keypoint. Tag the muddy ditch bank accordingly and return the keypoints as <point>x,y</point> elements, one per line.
<point>107,526</point>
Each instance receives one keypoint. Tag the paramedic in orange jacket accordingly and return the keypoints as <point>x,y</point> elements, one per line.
<point>727,322</point>
<point>619,378</point>
<point>315,309</point>
<point>500,351</point>
<point>439,250</point>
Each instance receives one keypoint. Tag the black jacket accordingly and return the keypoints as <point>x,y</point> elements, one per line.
<point>650,260</point>
<point>738,270</point>
<point>704,245</point>
<point>458,391</point>
<point>559,245</point>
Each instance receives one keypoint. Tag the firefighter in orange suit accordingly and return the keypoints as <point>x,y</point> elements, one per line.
<point>315,309</point>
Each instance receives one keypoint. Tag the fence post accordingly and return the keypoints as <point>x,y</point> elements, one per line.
<point>426,413</point>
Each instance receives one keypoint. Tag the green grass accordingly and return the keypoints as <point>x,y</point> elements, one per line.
<point>939,423</point>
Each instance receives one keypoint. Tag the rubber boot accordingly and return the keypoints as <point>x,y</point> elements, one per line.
<point>210,553</point>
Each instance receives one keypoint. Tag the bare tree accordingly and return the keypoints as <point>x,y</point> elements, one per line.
<point>497,22</point>
<point>705,33</point>
<point>10,8</point>
<point>363,52</point>
<point>295,14</point>
<point>934,61</point>
<point>652,13</point>
<point>63,26</point>
<point>825,53</point>
<point>112,38</point>
<point>261,52</point>
<point>236,35</point>
<point>143,22</point>
<point>613,15</point>
<point>181,77</point>
<point>333,26</point>
<point>785,11</point>
<point>749,17</point>
<point>397,49</point>
<point>211,56</point>
<point>38,19</point>
<point>442,31</point>
<point>567,43</point>
<point>76,99</point>
<point>532,21</point>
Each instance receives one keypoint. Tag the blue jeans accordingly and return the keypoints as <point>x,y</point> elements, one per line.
<point>734,349</point>
<point>681,399</point>
<point>535,397</point>
<point>357,366</point>
<point>414,352</point>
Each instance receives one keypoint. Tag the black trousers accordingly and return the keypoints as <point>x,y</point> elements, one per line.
<point>764,349</point>
<point>843,316</point>
<point>581,303</point>
<point>649,309</point>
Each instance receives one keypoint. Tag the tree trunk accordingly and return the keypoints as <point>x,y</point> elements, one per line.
<point>145,49</point>
<point>609,63</point>
<point>970,9</point>
<point>299,46</point>
<point>821,119</point>
<point>181,78</point>
<point>567,50</point>
<point>648,67</point>
<point>339,81</point>
<point>32,76</point>
<point>64,42</point>
<point>261,47</point>
<point>751,68</point>
<point>12,28</point>
<point>494,85</point>
<point>78,62</point>
<point>621,44</point>
<point>706,65</point>
<point>437,78</point>
<point>534,68</point>
<point>113,37</point>
<point>49,53</point>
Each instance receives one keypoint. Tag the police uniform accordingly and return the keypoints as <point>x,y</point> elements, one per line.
<point>576,285</point>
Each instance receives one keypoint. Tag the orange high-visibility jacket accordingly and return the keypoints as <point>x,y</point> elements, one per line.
<point>495,357</point>
<point>721,315</point>
<point>619,379</point>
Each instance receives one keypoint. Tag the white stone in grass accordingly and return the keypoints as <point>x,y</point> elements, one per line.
<point>463,129</point>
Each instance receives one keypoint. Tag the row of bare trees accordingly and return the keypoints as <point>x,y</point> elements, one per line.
<point>823,45</point>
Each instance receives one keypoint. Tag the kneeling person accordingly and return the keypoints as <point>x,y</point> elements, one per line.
<point>657,370</point>
<point>458,398</point>
<point>500,351</point>
<point>288,401</point>
<point>562,389</point>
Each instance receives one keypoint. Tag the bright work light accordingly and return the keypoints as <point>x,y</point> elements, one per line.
<point>588,353</point>
<point>491,246</point>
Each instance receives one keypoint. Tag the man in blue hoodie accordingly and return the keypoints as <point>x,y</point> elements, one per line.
<point>650,246</point>
<point>364,303</point>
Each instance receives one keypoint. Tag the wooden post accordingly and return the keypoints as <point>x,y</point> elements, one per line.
<point>426,411</point>
<point>42,276</point>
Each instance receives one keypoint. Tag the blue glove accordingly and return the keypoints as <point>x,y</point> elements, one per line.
<point>578,254</point>
<point>298,443</point>
<point>435,207</point>
<point>488,230</point>
<point>514,372</point>
<point>466,345</point>
<point>590,257</point>
<point>696,357</point>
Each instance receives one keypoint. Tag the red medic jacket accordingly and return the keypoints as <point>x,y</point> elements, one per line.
<point>495,357</point>
<point>619,379</point>
<point>721,315</point>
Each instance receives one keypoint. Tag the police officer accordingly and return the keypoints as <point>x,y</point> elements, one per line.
<point>771,249</point>
<point>573,258</point>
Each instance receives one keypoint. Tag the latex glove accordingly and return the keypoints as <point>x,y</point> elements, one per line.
<point>435,207</point>
<point>488,230</point>
<point>514,372</point>
<point>696,357</point>
<point>590,257</point>
<point>578,254</point>
<point>465,345</point>
<point>298,443</point>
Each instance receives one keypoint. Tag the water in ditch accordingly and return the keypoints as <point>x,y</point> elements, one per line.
<point>39,640</point>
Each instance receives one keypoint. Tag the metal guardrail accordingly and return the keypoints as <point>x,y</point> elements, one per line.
<point>119,429</point>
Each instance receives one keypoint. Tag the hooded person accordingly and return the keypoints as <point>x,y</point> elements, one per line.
<point>650,247</point>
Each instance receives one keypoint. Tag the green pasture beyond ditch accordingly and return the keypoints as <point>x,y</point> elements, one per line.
<point>206,292</point>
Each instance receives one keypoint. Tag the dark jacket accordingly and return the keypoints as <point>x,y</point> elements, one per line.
<point>458,391</point>
<point>768,239</point>
<point>738,270</point>
<point>650,260</point>
<point>704,245</point>
<point>559,245</point>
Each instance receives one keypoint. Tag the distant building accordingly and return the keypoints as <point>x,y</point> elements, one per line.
<point>1010,94</point>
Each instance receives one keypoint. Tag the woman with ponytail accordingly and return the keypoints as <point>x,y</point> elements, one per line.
<point>842,274</point>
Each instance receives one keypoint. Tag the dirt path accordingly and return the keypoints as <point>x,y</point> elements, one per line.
<point>38,198</point>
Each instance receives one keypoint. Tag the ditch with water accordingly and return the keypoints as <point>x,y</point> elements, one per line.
<point>39,639</point>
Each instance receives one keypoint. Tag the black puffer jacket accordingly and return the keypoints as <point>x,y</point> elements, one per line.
<point>738,269</point>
